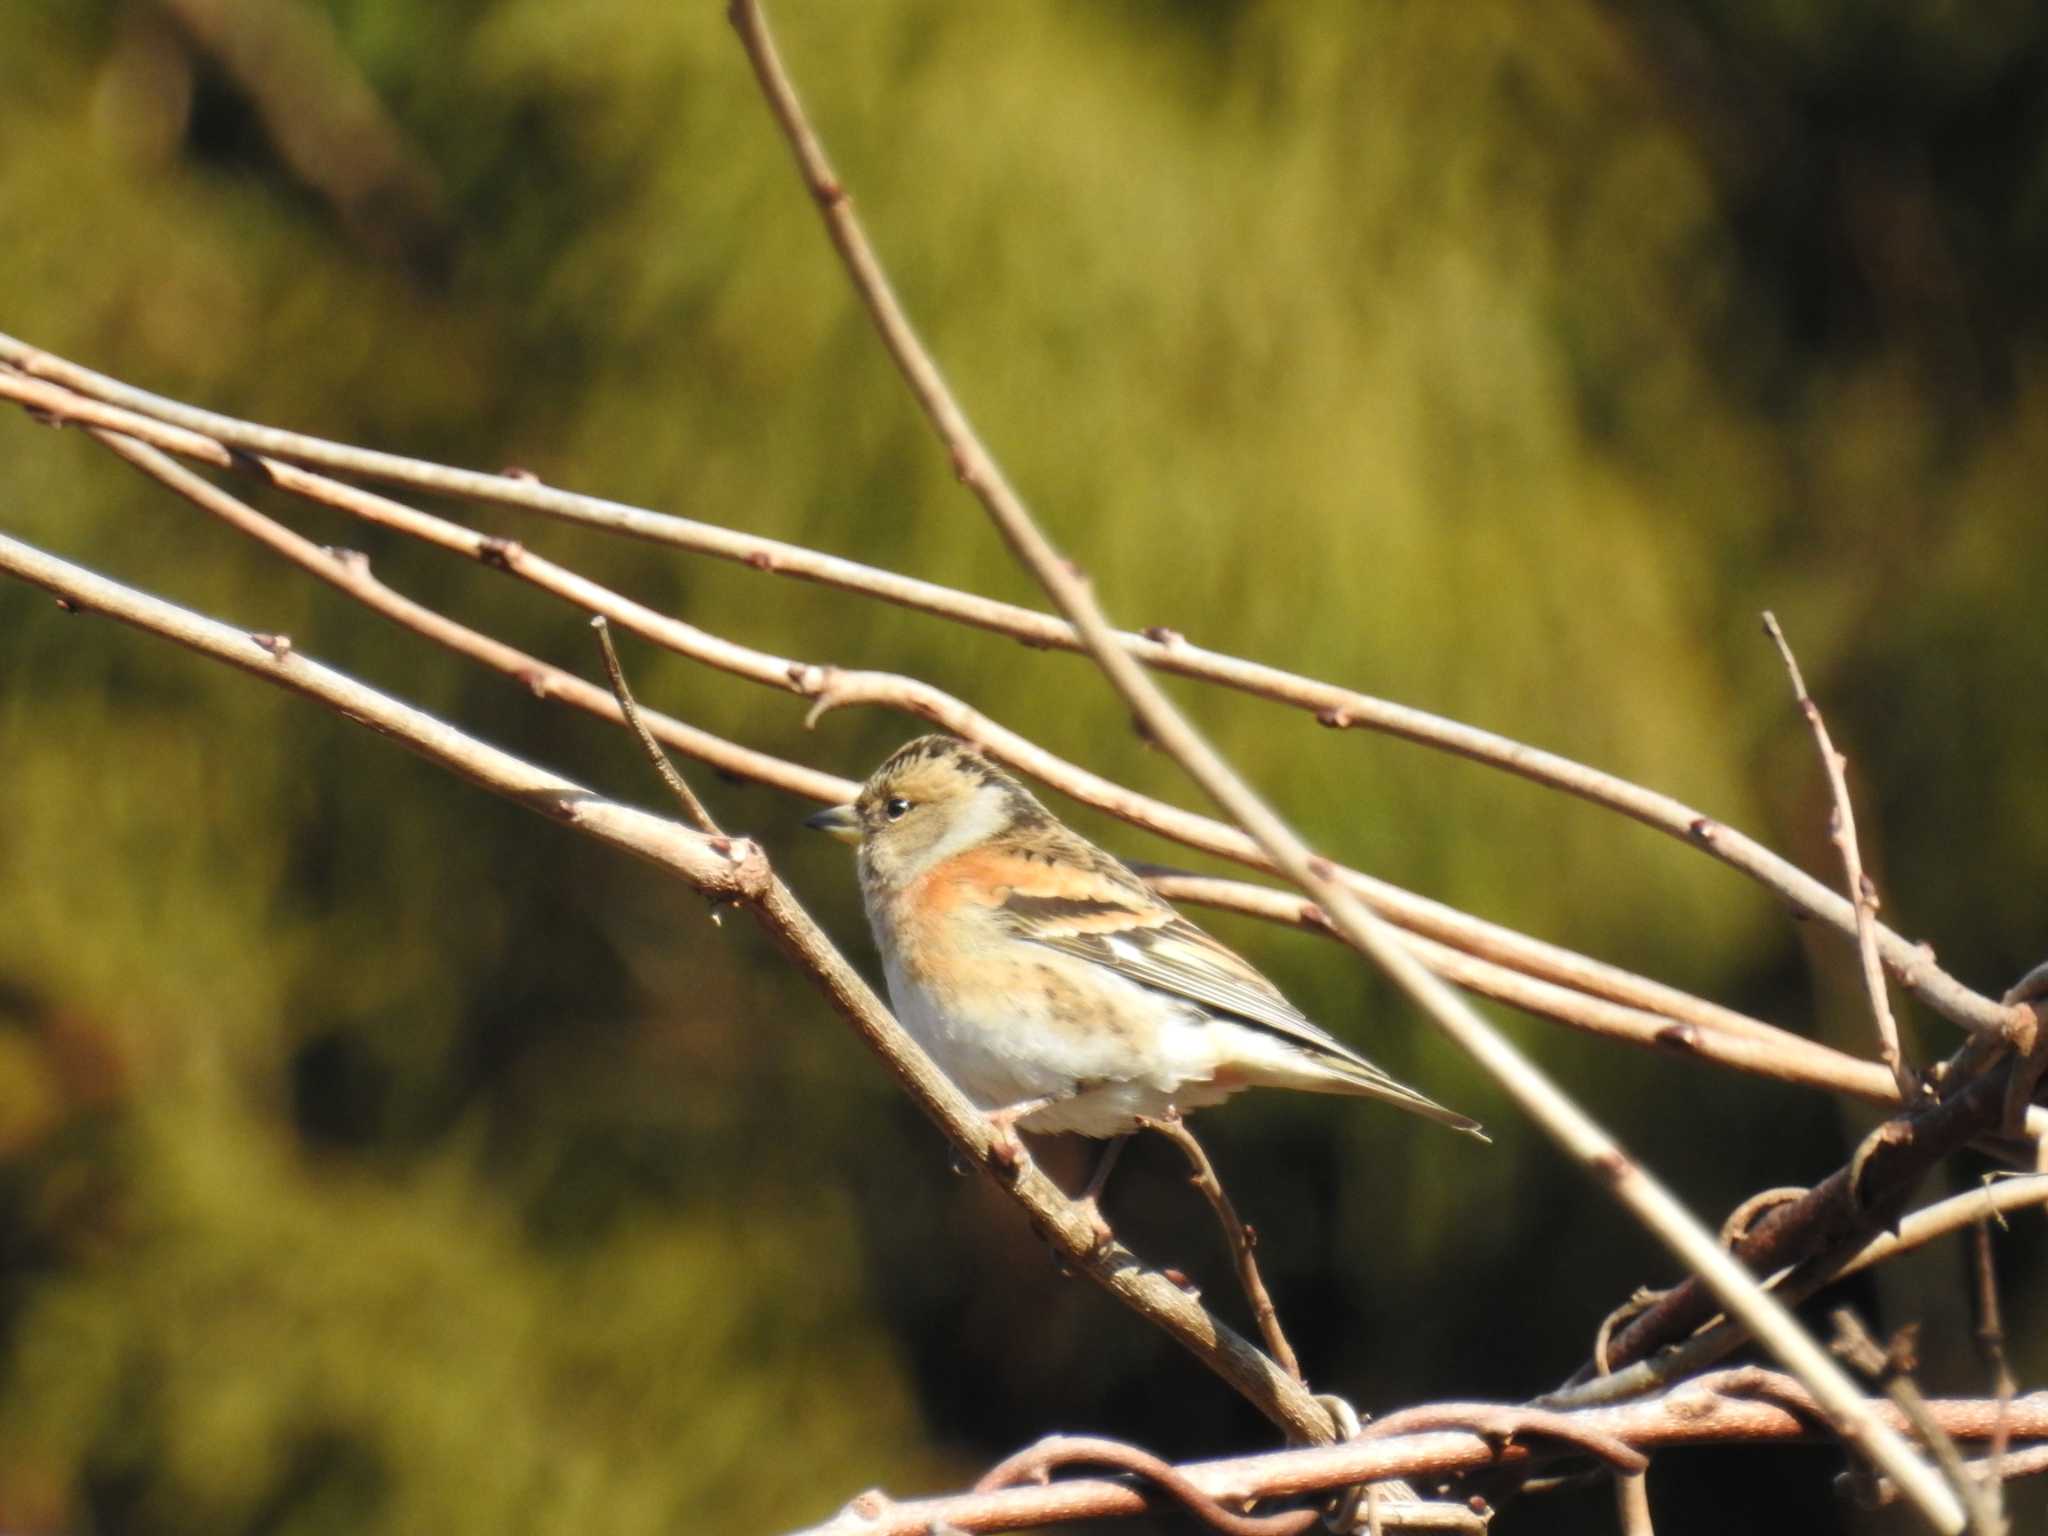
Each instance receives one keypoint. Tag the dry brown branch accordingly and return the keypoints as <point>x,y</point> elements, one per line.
<point>1862,893</point>
<point>1748,1405</point>
<point>730,869</point>
<point>1237,1235</point>
<point>1913,964</point>
<point>1852,1414</point>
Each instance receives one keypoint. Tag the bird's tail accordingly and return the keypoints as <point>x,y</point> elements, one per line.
<point>1356,1076</point>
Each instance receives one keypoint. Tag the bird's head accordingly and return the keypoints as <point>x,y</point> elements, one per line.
<point>934,797</point>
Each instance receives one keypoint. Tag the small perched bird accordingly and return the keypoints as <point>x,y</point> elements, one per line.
<point>1048,981</point>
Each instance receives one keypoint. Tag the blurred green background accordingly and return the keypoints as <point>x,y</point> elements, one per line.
<point>376,1157</point>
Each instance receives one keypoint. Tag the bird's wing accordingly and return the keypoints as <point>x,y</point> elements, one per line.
<point>1102,913</point>
<point>1156,947</point>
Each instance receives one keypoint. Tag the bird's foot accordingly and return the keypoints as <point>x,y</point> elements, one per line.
<point>1005,1150</point>
<point>1100,1233</point>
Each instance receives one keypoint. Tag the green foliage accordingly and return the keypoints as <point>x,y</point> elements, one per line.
<point>375,1157</point>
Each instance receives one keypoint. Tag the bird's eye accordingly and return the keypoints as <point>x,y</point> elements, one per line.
<point>897,808</point>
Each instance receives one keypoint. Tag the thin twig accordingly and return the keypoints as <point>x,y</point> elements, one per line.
<point>1892,1368</point>
<point>1632,1504</point>
<point>1862,892</point>
<point>1236,1234</point>
<point>685,796</point>
<point>2005,1468</point>
<point>732,868</point>
<point>1912,963</point>
<point>1850,1411</point>
<point>1991,1343</point>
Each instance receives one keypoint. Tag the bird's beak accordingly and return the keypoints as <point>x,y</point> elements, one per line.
<point>839,821</point>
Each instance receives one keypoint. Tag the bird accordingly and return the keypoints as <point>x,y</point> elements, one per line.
<point>1054,987</point>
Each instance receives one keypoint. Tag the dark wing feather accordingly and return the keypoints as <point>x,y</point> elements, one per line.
<point>1159,948</point>
<point>1162,950</point>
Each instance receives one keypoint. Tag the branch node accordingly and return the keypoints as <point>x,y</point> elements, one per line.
<point>1612,1165</point>
<point>276,647</point>
<point>1682,1038</point>
<point>499,554</point>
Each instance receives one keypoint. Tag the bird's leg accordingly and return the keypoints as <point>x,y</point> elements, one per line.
<point>1090,1200</point>
<point>1004,1147</point>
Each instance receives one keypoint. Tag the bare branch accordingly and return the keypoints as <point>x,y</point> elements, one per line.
<point>1237,1235</point>
<point>1862,893</point>
<point>685,796</point>
<point>1991,1341</point>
